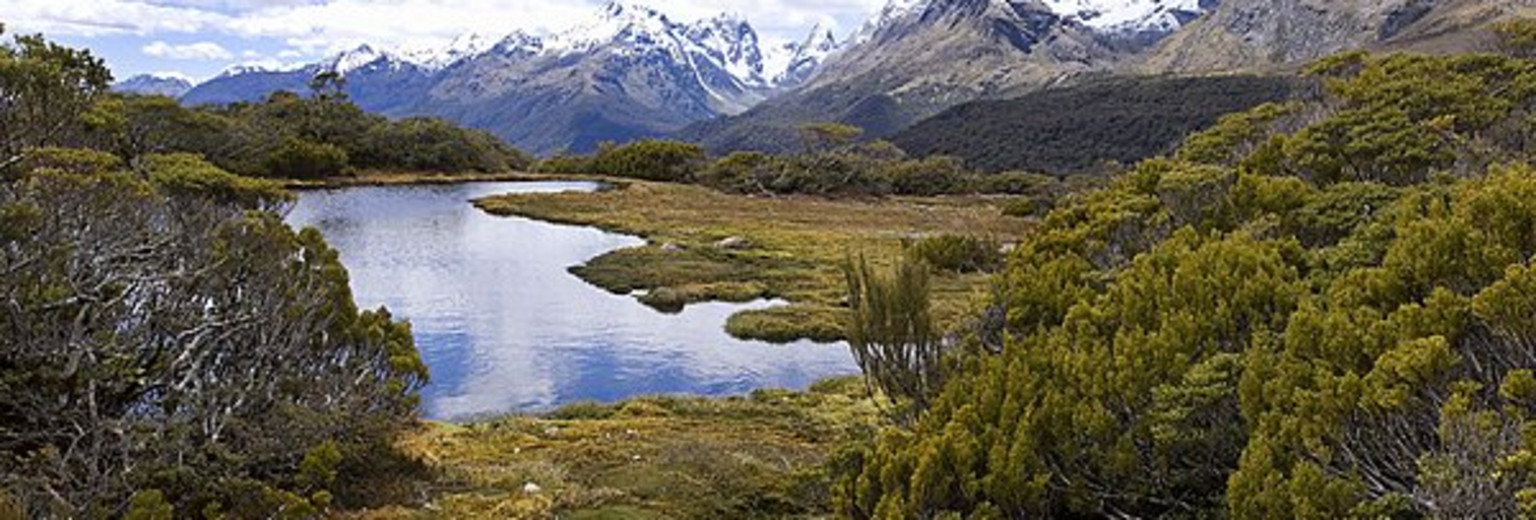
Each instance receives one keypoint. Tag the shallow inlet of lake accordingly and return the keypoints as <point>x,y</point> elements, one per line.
<point>506,329</point>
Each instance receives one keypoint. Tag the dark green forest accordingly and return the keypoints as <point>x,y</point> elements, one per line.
<point>1077,128</point>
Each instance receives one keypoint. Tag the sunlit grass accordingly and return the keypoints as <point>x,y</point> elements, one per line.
<point>760,456</point>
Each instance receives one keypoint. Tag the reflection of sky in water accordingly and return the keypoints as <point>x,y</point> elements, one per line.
<point>505,328</point>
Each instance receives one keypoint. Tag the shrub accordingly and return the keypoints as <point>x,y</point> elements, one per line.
<point>892,334</point>
<point>1019,183</point>
<point>296,158</point>
<point>957,253</point>
<point>434,145</point>
<point>565,164</point>
<point>652,159</point>
<point>929,176</point>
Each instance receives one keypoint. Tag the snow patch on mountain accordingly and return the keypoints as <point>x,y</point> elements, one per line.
<point>438,57</point>
<point>792,63</point>
<point>732,43</point>
<point>259,67</point>
<point>1127,15</point>
<point>363,56</point>
<point>170,84</point>
<point>636,25</point>
<point>1111,17</point>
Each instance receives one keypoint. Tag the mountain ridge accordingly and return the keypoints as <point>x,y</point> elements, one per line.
<point>917,58</point>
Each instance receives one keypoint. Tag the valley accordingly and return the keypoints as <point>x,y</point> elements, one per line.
<point>976,259</point>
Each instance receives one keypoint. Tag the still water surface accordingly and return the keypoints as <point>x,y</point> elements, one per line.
<point>505,328</point>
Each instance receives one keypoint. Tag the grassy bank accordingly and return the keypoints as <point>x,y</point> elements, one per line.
<point>760,456</point>
<point>705,245</point>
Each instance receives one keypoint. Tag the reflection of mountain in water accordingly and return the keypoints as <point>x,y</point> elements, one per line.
<point>505,328</point>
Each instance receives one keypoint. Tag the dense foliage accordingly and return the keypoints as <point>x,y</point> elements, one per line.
<point>1317,310</point>
<point>832,164</point>
<point>295,137</point>
<point>167,344</point>
<point>1076,128</point>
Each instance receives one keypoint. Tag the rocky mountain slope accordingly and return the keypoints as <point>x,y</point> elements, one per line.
<point>629,72</point>
<point>633,72</point>
<point>918,57</point>
<point>169,85</point>
<point>1268,34</point>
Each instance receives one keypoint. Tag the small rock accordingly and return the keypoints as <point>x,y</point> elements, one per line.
<point>671,247</point>
<point>531,488</point>
<point>551,431</point>
<point>733,243</point>
<point>634,457</point>
<point>631,433</point>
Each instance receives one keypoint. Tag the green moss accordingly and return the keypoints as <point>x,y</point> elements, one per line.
<point>789,323</point>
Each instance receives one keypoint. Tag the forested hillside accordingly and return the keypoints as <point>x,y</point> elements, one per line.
<point>1316,309</point>
<point>1076,128</point>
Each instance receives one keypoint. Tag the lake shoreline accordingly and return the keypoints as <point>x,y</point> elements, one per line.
<point>703,245</point>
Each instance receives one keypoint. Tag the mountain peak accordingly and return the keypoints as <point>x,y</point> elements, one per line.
<point>463,47</point>
<point>630,11</point>
<point>169,84</point>
<point>359,57</point>
<point>1128,15</point>
<point>617,20</point>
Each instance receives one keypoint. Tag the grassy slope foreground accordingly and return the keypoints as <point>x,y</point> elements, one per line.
<point>761,456</point>
<point>793,247</point>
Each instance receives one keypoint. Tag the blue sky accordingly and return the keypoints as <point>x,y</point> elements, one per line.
<point>199,38</point>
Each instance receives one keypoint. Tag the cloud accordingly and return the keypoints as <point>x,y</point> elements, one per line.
<point>321,26</point>
<point>92,18</point>
<point>205,51</point>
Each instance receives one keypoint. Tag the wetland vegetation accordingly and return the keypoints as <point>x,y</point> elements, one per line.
<point>1319,308</point>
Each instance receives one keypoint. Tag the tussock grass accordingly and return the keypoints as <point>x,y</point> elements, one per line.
<point>759,456</point>
<point>794,247</point>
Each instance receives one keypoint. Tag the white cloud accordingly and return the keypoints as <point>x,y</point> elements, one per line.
<point>106,17</point>
<point>206,51</point>
<point>319,26</point>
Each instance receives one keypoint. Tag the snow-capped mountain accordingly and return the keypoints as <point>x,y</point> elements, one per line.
<point>1111,18</point>
<point>1118,16</point>
<point>796,61</point>
<point>651,73</point>
<point>158,84</point>
<point>464,47</point>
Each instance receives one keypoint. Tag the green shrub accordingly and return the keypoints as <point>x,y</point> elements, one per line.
<point>652,159</point>
<point>434,145</point>
<point>1025,207</point>
<point>566,164</point>
<point>299,159</point>
<point>1019,183</point>
<point>937,175</point>
<point>957,253</point>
